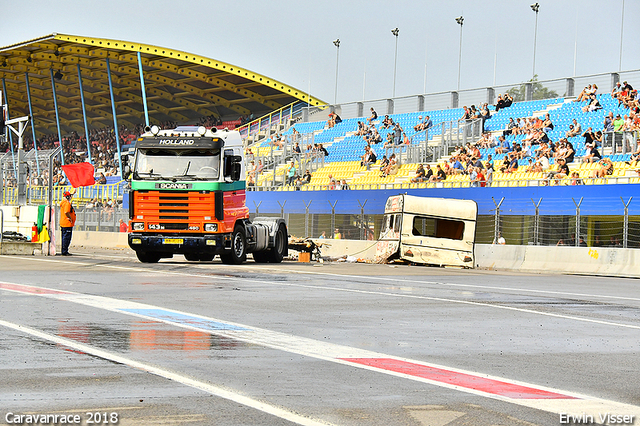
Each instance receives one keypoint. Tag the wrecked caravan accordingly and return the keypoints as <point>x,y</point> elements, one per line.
<point>434,231</point>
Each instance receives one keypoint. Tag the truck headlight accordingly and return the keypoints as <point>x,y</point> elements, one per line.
<point>211,227</point>
<point>137,226</point>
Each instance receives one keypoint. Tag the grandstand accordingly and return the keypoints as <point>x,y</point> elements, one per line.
<point>346,147</point>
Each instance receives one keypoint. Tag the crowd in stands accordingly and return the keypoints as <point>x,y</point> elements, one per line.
<point>541,152</point>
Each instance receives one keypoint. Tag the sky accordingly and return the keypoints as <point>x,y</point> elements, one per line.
<point>292,40</point>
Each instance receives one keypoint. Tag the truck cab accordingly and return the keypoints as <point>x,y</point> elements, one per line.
<point>188,197</point>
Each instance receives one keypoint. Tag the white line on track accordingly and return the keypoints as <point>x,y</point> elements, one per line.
<point>299,345</point>
<point>348,290</point>
<point>161,372</point>
<point>363,277</point>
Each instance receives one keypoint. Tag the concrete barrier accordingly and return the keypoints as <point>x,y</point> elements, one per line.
<point>95,239</point>
<point>565,260</point>
<point>19,247</point>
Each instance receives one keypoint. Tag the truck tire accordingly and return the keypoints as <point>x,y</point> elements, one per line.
<point>261,256</point>
<point>281,246</point>
<point>238,252</point>
<point>148,256</point>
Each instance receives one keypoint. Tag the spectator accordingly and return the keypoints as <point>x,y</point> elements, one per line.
<point>291,173</point>
<point>374,116</point>
<point>368,158</point>
<point>439,176</point>
<point>503,146</point>
<point>420,174</point>
<point>561,172</point>
<point>547,125</point>
<point>387,122</point>
<point>392,168</point>
<point>575,179</point>
<point>306,178</point>
<point>424,124</point>
<point>102,180</point>
<point>323,151</point>
<point>344,185</point>
<point>606,169</point>
<point>591,152</point>
<point>123,226</point>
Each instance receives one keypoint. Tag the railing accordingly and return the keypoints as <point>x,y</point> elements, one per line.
<point>264,123</point>
<point>560,87</point>
<point>38,194</point>
<point>494,183</point>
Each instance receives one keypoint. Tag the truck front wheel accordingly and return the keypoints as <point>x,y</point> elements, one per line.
<point>148,256</point>
<point>238,253</point>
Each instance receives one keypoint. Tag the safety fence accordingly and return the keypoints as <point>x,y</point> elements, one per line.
<point>82,195</point>
<point>541,221</point>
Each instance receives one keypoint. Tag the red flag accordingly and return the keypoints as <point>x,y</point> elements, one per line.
<point>79,174</point>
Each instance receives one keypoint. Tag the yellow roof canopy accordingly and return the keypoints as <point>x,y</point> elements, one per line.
<point>179,86</point>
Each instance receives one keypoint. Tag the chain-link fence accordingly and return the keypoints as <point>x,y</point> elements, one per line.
<point>549,224</point>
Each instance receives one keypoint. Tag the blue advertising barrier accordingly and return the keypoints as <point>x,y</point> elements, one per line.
<point>556,200</point>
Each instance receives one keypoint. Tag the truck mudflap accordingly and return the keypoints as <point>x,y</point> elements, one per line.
<point>180,244</point>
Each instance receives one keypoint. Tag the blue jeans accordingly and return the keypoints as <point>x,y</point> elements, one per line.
<point>66,238</point>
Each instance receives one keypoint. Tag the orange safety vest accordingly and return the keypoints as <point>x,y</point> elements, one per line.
<point>66,207</point>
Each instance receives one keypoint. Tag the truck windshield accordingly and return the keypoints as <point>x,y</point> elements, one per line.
<point>199,164</point>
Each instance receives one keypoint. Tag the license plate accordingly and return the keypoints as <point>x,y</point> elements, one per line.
<point>173,241</point>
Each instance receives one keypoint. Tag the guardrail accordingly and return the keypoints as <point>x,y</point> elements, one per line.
<point>496,183</point>
<point>38,194</point>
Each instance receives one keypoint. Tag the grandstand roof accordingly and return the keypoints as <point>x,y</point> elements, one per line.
<point>180,86</point>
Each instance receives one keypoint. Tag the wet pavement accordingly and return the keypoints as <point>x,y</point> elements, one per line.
<point>209,344</point>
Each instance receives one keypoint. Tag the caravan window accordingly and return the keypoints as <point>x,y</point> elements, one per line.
<point>438,228</point>
<point>391,226</point>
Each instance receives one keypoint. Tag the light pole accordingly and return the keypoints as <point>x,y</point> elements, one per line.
<point>460,21</point>
<point>621,34</point>
<point>395,32</point>
<point>336,43</point>
<point>535,7</point>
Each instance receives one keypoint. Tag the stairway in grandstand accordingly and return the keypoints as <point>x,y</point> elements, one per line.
<point>346,148</point>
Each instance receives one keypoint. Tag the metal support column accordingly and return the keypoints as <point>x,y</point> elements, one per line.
<point>577,243</point>
<point>55,105</point>
<point>306,218</point>
<point>333,215</point>
<point>536,222</point>
<point>362,221</point>
<point>496,220</point>
<point>144,92</point>
<point>115,119</point>
<point>625,229</point>
<point>84,116</point>
<point>33,123</point>
<point>6,102</point>
<point>282,208</point>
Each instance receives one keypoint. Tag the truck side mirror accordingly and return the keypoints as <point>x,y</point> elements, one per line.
<point>235,171</point>
<point>233,167</point>
<point>124,173</point>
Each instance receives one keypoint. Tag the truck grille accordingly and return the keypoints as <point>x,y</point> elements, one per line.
<point>175,207</point>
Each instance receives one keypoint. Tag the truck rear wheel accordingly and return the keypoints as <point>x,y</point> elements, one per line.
<point>281,246</point>
<point>261,256</point>
<point>148,256</point>
<point>276,253</point>
<point>238,253</point>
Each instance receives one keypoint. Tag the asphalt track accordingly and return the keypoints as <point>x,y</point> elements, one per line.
<point>334,344</point>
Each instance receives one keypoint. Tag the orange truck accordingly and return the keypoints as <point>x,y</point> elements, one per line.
<point>188,197</point>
